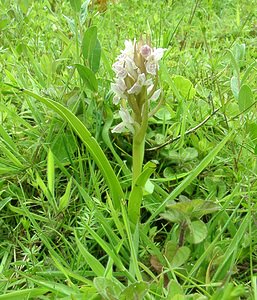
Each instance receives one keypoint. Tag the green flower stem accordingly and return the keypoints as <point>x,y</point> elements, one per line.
<point>138,157</point>
<point>139,144</point>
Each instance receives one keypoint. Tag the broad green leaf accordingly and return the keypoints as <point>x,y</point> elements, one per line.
<point>176,255</point>
<point>252,130</point>
<point>136,195</point>
<point>234,63</point>
<point>91,144</point>
<point>216,186</point>
<point>188,154</point>
<point>173,216</point>
<point>172,155</point>
<point>94,60</point>
<point>91,48</point>
<point>239,53</point>
<point>88,77</point>
<point>108,288</point>
<point>184,86</point>
<point>89,41</point>
<point>174,289</point>
<point>76,5</point>
<point>235,86</point>
<point>183,155</point>
<point>197,232</point>
<point>169,175</point>
<point>245,97</point>
<point>192,209</point>
<point>64,146</point>
<point>163,114</point>
<point>135,291</point>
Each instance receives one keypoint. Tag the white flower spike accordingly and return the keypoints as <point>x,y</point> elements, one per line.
<point>136,72</point>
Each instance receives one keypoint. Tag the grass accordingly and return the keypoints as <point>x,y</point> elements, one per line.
<point>65,182</point>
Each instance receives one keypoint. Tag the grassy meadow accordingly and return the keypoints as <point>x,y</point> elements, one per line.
<point>76,220</point>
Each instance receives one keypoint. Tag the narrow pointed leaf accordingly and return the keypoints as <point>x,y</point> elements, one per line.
<point>91,144</point>
<point>136,195</point>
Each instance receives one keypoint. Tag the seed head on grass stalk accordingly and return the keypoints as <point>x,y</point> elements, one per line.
<point>135,85</point>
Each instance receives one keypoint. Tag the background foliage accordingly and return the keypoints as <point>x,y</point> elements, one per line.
<point>64,180</point>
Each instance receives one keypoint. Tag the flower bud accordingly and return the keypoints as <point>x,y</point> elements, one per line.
<point>145,51</point>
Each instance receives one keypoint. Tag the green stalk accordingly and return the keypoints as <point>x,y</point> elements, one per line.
<point>138,150</point>
<point>138,157</point>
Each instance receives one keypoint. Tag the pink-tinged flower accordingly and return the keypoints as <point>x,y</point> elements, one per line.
<point>137,87</point>
<point>127,123</point>
<point>141,81</point>
<point>131,68</point>
<point>158,53</point>
<point>145,51</point>
<point>136,82</point>
<point>119,88</point>
<point>119,70</point>
<point>152,63</point>
<point>129,48</point>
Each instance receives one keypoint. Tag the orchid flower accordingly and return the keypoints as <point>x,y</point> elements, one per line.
<point>136,72</point>
<point>135,85</point>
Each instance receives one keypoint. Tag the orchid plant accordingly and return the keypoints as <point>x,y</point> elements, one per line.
<point>135,86</point>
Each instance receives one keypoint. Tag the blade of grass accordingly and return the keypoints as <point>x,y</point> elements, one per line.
<point>58,260</point>
<point>64,200</point>
<point>93,263</point>
<point>254,287</point>
<point>106,139</point>
<point>11,157</point>
<point>58,288</point>
<point>50,172</point>
<point>7,138</point>
<point>133,245</point>
<point>24,294</point>
<point>111,252</point>
<point>136,195</point>
<point>225,264</point>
